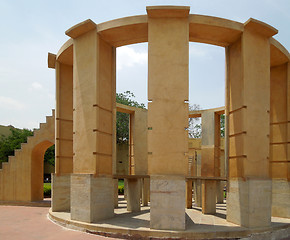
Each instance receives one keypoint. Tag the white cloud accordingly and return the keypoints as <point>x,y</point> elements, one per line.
<point>10,103</point>
<point>36,86</point>
<point>128,57</point>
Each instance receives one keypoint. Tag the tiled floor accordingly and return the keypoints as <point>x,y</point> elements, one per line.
<point>31,223</point>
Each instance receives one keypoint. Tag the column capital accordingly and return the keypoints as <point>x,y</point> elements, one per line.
<point>260,27</point>
<point>51,60</point>
<point>81,28</point>
<point>167,11</point>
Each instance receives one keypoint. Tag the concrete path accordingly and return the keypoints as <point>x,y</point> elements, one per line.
<point>31,223</point>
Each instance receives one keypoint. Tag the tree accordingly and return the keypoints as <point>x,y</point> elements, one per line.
<point>222,125</point>
<point>13,141</point>
<point>122,119</point>
<point>49,155</point>
<point>9,143</point>
<point>194,124</point>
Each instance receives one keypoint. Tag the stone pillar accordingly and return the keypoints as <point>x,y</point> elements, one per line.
<point>220,184</point>
<point>219,192</point>
<point>145,191</point>
<point>60,196</point>
<point>197,193</point>
<point>138,131</point>
<point>126,189</point>
<point>197,183</point>
<point>210,162</point>
<point>189,194</point>
<point>249,192</point>
<point>92,198</point>
<point>167,202</point>
<point>116,195</point>
<point>189,183</point>
<point>139,134</point>
<point>63,136</point>
<point>133,195</point>
<point>168,39</point>
<point>280,140</point>
<point>92,186</point>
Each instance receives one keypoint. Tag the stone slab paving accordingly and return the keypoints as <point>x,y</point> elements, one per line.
<point>29,223</point>
<point>32,223</point>
<point>198,225</point>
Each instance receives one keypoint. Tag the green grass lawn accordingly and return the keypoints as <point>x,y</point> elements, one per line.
<point>47,188</point>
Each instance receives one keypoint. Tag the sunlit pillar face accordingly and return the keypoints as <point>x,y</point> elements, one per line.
<point>168,37</point>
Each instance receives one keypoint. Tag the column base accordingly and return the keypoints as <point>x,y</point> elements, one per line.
<point>249,202</point>
<point>133,195</point>
<point>280,198</point>
<point>60,196</point>
<point>167,205</point>
<point>92,198</point>
<point>208,197</point>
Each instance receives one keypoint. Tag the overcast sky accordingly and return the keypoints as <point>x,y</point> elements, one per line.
<point>30,29</point>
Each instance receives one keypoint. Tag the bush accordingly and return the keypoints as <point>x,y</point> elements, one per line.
<point>47,190</point>
<point>121,190</point>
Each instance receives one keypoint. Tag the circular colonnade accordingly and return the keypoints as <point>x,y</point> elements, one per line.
<point>257,103</point>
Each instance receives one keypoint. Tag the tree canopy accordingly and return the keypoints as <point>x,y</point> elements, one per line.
<point>122,119</point>
<point>194,124</point>
<point>13,141</point>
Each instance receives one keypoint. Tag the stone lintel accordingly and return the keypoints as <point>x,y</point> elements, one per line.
<point>81,28</point>
<point>51,59</point>
<point>168,11</point>
<point>260,27</point>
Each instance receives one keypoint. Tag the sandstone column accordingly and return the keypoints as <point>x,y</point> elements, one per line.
<point>210,162</point>
<point>280,139</point>
<point>249,193</point>
<point>197,183</point>
<point>189,188</point>
<point>133,195</point>
<point>63,135</point>
<point>220,184</point>
<point>92,186</point>
<point>138,157</point>
<point>168,36</point>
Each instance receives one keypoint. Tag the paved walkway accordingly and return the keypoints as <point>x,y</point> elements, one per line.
<point>31,223</point>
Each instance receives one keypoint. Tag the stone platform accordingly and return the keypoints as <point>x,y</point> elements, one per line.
<point>198,226</point>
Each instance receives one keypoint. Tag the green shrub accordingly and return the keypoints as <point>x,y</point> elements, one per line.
<point>47,190</point>
<point>121,190</point>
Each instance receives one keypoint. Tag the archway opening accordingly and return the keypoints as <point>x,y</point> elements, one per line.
<point>37,169</point>
<point>206,91</point>
<point>131,89</point>
<point>48,169</point>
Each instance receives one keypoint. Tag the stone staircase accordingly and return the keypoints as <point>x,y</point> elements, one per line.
<point>21,178</point>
